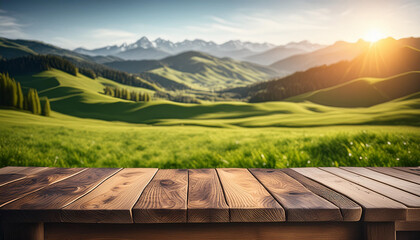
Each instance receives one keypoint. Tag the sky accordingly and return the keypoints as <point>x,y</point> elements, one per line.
<point>97,23</point>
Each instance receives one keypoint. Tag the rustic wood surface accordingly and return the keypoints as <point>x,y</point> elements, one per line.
<point>300,203</point>
<point>376,206</point>
<point>165,198</point>
<point>392,181</point>
<point>248,200</point>
<point>45,205</point>
<point>38,194</point>
<point>206,200</point>
<point>34,182</point>
<point>397,173</point>
<point>413,170</point>
<point>112,201</point>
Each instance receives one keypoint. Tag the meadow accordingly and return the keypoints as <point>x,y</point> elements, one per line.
<point>65,141</point>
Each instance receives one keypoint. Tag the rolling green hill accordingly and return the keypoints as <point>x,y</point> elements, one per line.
<point>364,92</point>
<point>82,97</point>
<point>196,70</point>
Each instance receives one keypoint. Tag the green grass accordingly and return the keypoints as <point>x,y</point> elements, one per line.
<point>82,97</point>
<point>64,141</point>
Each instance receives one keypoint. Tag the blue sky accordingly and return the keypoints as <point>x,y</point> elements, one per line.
<point>96,23</point>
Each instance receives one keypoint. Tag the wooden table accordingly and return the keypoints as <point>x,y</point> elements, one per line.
<point>224,203</point>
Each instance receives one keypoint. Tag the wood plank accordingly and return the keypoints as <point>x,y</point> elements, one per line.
<point>396,194</point>
<point>407,226</point>
<point>193,231</point>
<point>112,201</point>
<point>350,210</point>
<point>397,173</point>
<point>299,203</point>
<point>206,200</point>
<point>20,188</point>
<point>165,198</point>
<point>11,174</point>
<point>248,200</point>
<point>413,170</point>
<point>376,207</point>
<point>45,205</point>
<point>380,231</point>
<point>392,181</point>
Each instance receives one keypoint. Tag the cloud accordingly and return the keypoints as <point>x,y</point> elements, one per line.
<point>9,26</point>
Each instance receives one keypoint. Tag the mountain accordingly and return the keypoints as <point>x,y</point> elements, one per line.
<point>339,51</point>
<point>196,70</point>
<point>160,48</point>
<point>281,52</point>
<point>10,48</point>
<point>370,91</point>
<point>385,58</point>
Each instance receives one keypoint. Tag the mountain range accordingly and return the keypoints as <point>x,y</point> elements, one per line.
<point>151,50</point>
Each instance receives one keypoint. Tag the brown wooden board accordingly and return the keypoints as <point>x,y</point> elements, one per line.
<point>45,205</point>
<point>392,181</point>
<point>300,203</point>
<point>11,174</point>
<point>248,200</point>
<point>206,200</point>
<point>413,170</point>
<point>397,173</point>
<point>22,187</point>
<point>350,210</point>
<point>376,207</point>
<point>194,231</point>
<point>112,201</point>
<point>165,198</point>
<point>396,194</point>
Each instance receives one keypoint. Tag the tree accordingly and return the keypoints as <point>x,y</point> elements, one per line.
<point>46,110</point>
<point>20,96</point>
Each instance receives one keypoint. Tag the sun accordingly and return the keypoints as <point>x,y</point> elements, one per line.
<point>373,35</point>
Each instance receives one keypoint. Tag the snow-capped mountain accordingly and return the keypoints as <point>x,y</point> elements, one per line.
<point>146,49</point>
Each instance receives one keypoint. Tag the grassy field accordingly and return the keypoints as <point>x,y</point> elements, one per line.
<point>90,129</point>
<point>63,141</point>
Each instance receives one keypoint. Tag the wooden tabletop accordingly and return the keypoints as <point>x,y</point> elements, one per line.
<point>150,195</point>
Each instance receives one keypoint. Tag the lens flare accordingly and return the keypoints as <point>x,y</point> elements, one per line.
<point>373,35</point>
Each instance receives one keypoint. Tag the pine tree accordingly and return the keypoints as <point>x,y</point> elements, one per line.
<point>38,103</point>
<point>20,96</point>
<point>46,110</point>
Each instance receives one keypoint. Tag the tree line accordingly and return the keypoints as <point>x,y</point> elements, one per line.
<point>36,63</point>
<point>124,93</point>
<point>12,96</point>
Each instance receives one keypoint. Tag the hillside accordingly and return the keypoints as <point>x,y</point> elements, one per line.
<point>281,52</point>
<point>82,97</point>
<point>386,58</point>
<point>197,70</point>
<point>331,54</point>
<point>364,92</point>
<point>10,48</point>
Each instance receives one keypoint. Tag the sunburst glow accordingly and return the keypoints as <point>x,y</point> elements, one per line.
<point>373,35</point>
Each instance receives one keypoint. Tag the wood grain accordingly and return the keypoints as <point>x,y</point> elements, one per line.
<point>206,200</point>
<point>396,194</point>
<point>413,170</point>
<point>376,207</point>
<point>112,201</point>
<point>165,198</point>
<point>45,205</point>
<point>397,173</point>
<point>194,231</point>
<point>299,203</point>
<point>350,210</point>
<point>392,181</point>
<point>20,188</point>
<point>380,231</point>
<point>11,174</point>
<point>248,200</point>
